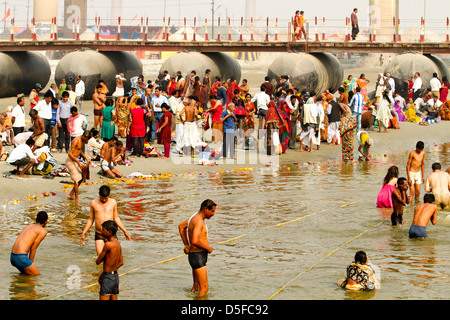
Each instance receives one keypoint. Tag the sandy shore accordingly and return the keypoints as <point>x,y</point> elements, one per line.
<point>402,140</point>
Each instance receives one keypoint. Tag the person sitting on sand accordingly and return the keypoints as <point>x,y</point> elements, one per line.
<point>360,274</point>
<point>109,162</point>
<point>21,156</point>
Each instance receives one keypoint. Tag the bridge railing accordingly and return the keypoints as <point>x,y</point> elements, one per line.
<point>227,29</point>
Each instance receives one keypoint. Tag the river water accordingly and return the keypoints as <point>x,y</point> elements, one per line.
<point>298,224</point>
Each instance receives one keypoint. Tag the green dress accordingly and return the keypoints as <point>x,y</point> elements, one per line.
<point>107,129</point>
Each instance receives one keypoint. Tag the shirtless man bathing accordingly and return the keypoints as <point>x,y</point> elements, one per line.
<point>194,234</point>
<point>415,169</point>
<point>438,182</point>
<point>102,209</point>
<point>112,259</point>
<point>24,249</point>
<point>423,213</point>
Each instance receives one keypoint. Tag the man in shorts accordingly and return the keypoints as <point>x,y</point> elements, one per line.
<point>415,169</point>
<point>102,209</point>
<point>111,256</point>
<point>423,213</point>
<point>194,234</point>
<point>24,249</point>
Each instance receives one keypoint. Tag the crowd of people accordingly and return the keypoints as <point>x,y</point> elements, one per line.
<point>177,111</point>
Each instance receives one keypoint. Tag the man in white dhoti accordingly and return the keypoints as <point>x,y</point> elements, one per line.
<point>190,132</point>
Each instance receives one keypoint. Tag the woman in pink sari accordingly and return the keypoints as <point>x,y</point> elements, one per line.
<point>443,92</point>
<point>384,199</point>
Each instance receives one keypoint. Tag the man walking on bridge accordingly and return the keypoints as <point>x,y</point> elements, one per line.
<point>354,20</point>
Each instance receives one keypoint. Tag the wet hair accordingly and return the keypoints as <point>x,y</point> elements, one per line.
<point>33,112</point>
<point>104,191</point>
<point>119,143</point>
<point>360,257</point>
<point>392,173</point>
<point>436,166</point>
<point>401,181</point>
<point>41,217</point>
<point>428,198</point>
<point>420,145</point>
<point>207,204</point>
<point>111,226</point>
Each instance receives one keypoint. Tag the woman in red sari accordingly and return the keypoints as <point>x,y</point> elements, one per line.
<point>275,121</point>
<point>164,130</point>
<point>249,119</point>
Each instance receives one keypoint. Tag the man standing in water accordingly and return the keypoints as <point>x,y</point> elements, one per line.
<point>415,169</point>
<point>196,244</point>
<point>78,171</point>
<point>438,182</point>
<point>24,249</point>
<point>423,213</point>
<point>102,209</point>
<point>111,256</point>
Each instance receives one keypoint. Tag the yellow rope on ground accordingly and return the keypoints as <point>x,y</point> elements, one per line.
<point>315,264</point>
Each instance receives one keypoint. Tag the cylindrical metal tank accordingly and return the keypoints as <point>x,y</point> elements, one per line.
<point>404,66</point>
<point>334,68</point>
<point>316,72</point>
<point>188,61</point>
<point>227,64</point>
<point>381,16</point>
<point>21,70</point>
<point>91,65</point>
<point>43,12</point>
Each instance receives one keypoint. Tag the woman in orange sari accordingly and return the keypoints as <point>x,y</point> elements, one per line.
<point>362,82</point>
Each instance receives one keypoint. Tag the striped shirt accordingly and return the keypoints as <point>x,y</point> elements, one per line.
<point>357,102</point>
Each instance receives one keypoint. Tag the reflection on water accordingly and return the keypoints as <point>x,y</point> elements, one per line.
<point>321,206</point>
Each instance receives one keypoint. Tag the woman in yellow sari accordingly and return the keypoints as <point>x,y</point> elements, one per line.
<point>410,113</point>
<point>360,274</point>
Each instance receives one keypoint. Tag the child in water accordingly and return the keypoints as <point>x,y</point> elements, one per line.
<point>399,199</point>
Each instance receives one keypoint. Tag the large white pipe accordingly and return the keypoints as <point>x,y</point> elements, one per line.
<point>116,10</point>
<point>250,11</point>
<point>381,15</point>
<point>43,12</point>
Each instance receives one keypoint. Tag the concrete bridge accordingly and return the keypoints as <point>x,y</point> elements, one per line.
<point>229,46</point>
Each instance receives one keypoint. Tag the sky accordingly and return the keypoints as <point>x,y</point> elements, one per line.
<point>436,11</point>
